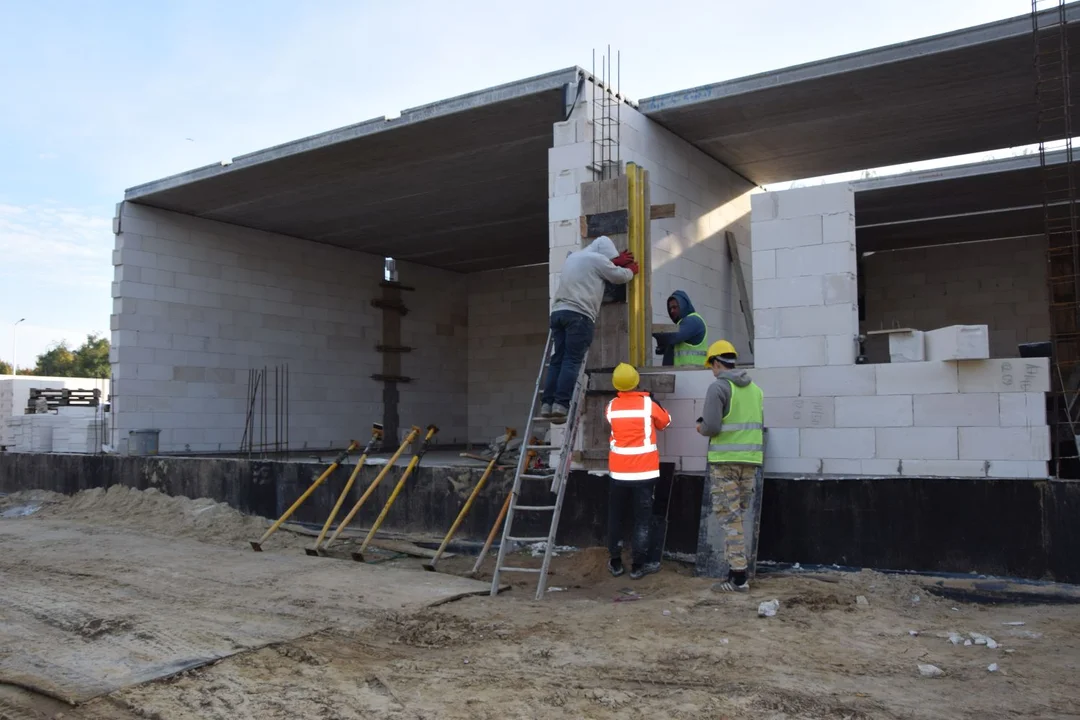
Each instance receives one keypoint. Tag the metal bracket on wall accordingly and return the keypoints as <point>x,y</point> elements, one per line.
<point>391,378</point>
<point>388,305</point>
<point>393,348</point>
<point>395,285</point>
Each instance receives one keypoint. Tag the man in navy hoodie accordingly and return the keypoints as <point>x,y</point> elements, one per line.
<point>686,347</point>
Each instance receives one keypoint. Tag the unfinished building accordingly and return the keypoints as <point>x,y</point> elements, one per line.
<point>399,271</point>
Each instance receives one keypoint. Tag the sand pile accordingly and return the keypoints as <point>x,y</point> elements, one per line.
<point>153,511</point>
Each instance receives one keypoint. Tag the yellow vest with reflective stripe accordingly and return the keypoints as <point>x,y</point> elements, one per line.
<point>741,437</point>
<point>688,354</point>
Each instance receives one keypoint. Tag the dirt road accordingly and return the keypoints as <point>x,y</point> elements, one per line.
<point>679,651</point>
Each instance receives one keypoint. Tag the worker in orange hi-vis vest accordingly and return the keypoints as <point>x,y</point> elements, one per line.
<point>634,467</point>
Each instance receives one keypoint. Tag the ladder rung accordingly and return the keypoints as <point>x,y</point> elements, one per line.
<point>527,539</point>
<point>534,508</point>
<point>543,447</point>
<point>517,569</point>
<point>537,477</point>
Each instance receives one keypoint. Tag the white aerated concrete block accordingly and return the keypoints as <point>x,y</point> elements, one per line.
<point>1006,375</point>
<point>767,323</point>
<point>958,342</point>
<point>692,384</point>
<point>686,442</point>
<point>841,288</point>
<point>800,412</point>
<point>764,264</point>
<point>916,378</point>
<point>693,464</point>
<point>788,292</point>
<point>1018,469</point>
<point>790,352</point>
<point>942,468</point>
<point>834,466</point>
<point>838,227</point>
<point>957,410</point>
<point>816,260</point>
<point>792,466</point>
<point>837,380</point>
<point>774,234</point>
<point>874,411</point>
<point>817,320</point>
<point>881,468</point>
<point>782,442</point>
<point>849,443</point>
<point>840,350</point>
<point>813,200</point>
<point>916,443</point>
<point>777,382</point>
<point>1011,443</point>
<point>1020,409</point>
<point>682,412</point>
<point>907,347</point>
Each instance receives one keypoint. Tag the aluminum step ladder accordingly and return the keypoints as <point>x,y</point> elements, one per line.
<point>557,475</point>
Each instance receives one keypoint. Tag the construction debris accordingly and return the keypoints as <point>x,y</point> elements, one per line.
<point>768,609</point>
<point>930,671</point>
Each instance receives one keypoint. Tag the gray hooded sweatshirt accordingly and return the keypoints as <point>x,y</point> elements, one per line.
<point>718,400</point>
<point>581,285</point>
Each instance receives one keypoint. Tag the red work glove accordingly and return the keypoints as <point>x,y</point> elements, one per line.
<point>624,260</point>
<point>633,267</point>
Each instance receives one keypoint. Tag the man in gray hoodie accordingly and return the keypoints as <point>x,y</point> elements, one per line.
<point>733,420</point>
<point>573,317</point>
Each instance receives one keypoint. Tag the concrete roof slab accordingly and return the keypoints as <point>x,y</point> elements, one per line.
<point>967,91</point>
<point>460,184</point>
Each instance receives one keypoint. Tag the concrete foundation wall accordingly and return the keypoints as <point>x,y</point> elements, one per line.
<point>689,251</point>
<point>1001,284</point>
<point>198,303</point>
<point>508,314</point>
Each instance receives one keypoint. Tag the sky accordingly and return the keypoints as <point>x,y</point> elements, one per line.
<point>101,95</point>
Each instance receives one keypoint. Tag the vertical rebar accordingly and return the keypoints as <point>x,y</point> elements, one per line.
<point>286,408</point>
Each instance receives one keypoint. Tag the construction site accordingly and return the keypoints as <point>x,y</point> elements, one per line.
<point>323,480</point>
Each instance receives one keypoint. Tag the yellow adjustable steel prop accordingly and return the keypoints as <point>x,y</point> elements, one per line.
<point>510,434</point>
<point>638,343</point>
<point>371,488</point>
<point>256,545</point>
<point>431,430</point>
<point>499,520</point>
<point>376,436</point>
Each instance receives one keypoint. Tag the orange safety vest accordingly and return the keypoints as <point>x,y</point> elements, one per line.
<point>634,420</point>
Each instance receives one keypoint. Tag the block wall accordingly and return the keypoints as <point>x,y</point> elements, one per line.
<point>973,418</point>
<point>436,327</point>
<point>198,303</point>
<point>689,251</point>
<point>1001,284</point>
<point>804,277</point>
<point>508,314</point>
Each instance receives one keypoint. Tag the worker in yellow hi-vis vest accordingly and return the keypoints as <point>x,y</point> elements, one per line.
<point>733,420</point>
<point>686,346</point>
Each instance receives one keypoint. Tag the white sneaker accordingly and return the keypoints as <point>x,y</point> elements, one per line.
<point>545,410</point>
<point>558,414</point>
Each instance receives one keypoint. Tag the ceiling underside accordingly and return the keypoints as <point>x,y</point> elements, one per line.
<point>985,201</point>
<point>962,92</point>
<point>460,185</point>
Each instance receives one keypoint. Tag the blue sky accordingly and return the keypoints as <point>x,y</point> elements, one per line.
<point>98,96</point>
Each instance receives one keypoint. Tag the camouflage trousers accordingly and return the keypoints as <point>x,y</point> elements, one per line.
<point>732,487</point>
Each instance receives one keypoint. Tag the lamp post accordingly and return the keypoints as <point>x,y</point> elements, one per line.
<point>14,346</point>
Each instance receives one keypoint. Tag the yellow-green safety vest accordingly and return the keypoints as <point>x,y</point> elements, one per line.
<point>741,438</point>
<point>687,354</point>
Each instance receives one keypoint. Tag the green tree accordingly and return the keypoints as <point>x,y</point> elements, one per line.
<point>91,359</point>
<point>5,368</point>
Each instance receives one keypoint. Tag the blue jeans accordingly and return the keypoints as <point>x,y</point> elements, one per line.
<point>572,334</point>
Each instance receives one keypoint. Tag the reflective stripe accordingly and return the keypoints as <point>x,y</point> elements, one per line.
<point>695,353</point>
<point>647,409</point>
<point>627,414</point>
<point>736,448</point>
<point>741,426</point>
<point>647,475</point>
<point>643,450</point>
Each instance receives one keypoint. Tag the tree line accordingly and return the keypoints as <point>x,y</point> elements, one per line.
<point>89,360</point>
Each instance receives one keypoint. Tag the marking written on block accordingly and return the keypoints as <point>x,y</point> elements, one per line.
<point>1026,376</point>
<point>812,410</point>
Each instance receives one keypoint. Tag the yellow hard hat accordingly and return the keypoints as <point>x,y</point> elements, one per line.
<point>625,378</point>
<point>718,348</point>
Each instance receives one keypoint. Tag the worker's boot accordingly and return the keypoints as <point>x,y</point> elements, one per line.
<point>639,571</point>
<point>737,581</point>
<point>558,414</point>
<point>615,566</point>
<point>545,410</point>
